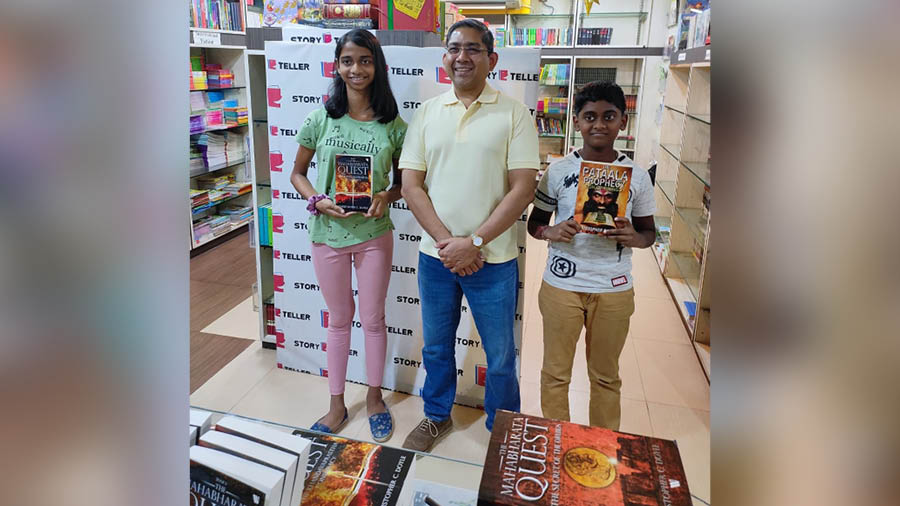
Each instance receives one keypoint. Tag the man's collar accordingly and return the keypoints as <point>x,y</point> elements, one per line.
<point>488,96</point>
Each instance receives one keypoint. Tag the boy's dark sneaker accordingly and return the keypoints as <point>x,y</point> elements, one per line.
<point>426,434</point>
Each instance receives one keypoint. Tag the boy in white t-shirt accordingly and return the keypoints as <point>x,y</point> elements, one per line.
<point>587,282</point>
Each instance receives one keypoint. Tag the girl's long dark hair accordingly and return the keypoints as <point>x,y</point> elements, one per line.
<point>381,98</point>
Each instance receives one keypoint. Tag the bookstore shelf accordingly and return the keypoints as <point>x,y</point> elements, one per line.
<point>597,15</point>
<point>211,205</point>
<point>704,118</point>
<point>700,170</point>
<point>684,156</point>
<point>516,16</point>
<point>668,190</point>
<point>234,228</point>
<point>214,30</point>
<point>688,269</point>
<point>221,89</point>
<point>219,129</point>
<point>672,149</point>
<point>214,168</point>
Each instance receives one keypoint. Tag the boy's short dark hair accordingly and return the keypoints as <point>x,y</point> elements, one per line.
<point>487,38</point>
<point>600,90</point>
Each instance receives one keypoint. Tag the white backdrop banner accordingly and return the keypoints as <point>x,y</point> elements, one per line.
<point>298,73</point>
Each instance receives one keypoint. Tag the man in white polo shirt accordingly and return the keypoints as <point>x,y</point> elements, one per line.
<point>470,160</point>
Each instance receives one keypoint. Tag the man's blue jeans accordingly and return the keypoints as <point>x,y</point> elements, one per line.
<point>492,294</point>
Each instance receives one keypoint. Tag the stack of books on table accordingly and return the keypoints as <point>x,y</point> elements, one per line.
<point>243,463</point>
<point>347,14</point>
<point>238,462</point>
<point>537,461</point>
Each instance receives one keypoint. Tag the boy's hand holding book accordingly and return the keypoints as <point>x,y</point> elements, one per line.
<point>562,232</point>
<point>624,233</point>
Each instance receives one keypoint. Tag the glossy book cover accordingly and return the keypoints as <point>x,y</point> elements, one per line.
<point>533,460</point>
<point>602,195</point>
<point>353,182</point>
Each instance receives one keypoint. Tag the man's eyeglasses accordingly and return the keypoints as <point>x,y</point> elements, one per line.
<point>469,50</point>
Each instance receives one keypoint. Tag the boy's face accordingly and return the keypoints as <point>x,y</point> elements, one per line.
<point>599,123</point>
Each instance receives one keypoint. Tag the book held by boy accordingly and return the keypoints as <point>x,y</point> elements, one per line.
<point>355,473</point>
<point>602,195</point>
<point>533,460</point>
<point>353,182</point>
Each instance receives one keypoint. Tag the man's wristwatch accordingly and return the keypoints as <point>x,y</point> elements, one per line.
<point>477,241</point>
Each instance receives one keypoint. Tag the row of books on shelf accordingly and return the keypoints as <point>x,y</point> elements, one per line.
<point>217,14</point>
<point>211,80</point>
<point>594,36</point>
<point>210,227</point>
<point>242,462</point>
<point>555,74</point>
<point>549,126</point>
<point>584,75</point>
<point>203,199</point>
<point>216,149</point>
<point>265,224</point>
<point>540,36</point>
<point>553,105</point>
<point>694,30</point>
<point>219,118</point>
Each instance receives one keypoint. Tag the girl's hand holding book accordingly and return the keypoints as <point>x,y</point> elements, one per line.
<point>379,204</point>
<point>327,206</point>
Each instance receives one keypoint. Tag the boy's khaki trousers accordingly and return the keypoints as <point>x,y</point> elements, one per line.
<point>605,316</point>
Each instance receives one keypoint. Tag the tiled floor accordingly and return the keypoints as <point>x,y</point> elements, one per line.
<point>664,390</point>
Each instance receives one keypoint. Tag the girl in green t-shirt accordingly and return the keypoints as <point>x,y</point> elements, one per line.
<point>359,118</point>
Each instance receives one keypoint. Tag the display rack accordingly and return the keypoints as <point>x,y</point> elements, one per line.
<point>683,188</point>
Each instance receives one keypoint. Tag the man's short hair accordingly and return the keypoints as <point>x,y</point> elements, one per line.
<point>487,38</point>
<point>600,90</point>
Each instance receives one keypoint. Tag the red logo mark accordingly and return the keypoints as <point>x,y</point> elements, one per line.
<point>272,64</point>
<point>324,98</point>
<point>481,375</point>
<point>278,223</point>
<point>276,194</point>
<point>504,74</point>
<point>277,312</point>
<point>279,339</point>
<point>274,95</point>
<point>619,281</point>
<point>276,160</point>
<point>277,254</point>
<point>274,131</point>
<point>324,318</point>
<point>326,37</point>
<point>324,346</point>
<point>278,282</point>
<point>280,365</point>
<point>327,69</point>
<point>442,76</point>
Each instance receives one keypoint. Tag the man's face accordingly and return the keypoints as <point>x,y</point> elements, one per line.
<point>469,67</point>
<point>599,123</point>
<point>596,197</point>
<point>607,199</point>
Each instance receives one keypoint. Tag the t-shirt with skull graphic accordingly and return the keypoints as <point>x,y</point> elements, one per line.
<point>590,263</point>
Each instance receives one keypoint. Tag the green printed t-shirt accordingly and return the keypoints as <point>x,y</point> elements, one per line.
<point>345,135</point>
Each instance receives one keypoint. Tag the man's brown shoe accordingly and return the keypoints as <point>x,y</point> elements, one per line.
<point>423,437</point>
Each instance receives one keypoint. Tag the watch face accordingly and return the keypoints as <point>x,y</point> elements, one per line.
<point>477,241</point>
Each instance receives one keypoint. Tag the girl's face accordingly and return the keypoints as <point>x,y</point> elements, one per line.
<point>356,67</point>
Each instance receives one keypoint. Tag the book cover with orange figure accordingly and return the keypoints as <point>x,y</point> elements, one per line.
<point>534,460</point>
<point>602,195</point>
